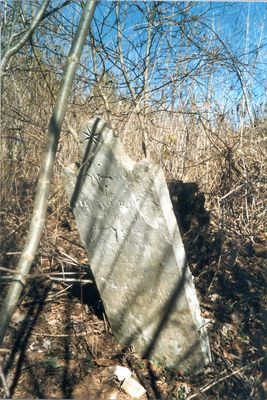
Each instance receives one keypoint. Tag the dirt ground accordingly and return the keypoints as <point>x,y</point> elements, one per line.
<point>60,345</point>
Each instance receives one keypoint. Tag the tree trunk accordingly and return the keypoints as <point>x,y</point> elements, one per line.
<point>47,164</point>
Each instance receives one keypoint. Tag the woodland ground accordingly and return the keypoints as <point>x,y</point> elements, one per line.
<point>60,345</point>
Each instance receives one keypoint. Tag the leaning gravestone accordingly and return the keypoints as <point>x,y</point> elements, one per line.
<point>127,225</point>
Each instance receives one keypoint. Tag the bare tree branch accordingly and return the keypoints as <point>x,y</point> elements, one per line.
<point>15,48</point>
<point>47,164</point>
<point>135,98</point>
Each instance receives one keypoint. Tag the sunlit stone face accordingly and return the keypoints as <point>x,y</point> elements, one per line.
<point>126,222</point>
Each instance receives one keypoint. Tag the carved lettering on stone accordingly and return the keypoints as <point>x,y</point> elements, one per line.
<point>126,222</point>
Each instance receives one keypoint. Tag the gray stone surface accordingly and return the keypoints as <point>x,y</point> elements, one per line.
<point>127,225</point>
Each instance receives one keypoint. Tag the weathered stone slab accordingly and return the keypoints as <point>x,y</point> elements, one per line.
<point>127,225</point>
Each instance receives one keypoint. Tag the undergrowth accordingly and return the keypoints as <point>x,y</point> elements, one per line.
<point>226,256</point>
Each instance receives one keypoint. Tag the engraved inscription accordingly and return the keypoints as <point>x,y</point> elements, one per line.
<point>126,223</point>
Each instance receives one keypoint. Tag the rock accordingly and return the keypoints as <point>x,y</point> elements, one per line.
<point>133,388</point>
<point>127,225</point>
<point>120,372</point>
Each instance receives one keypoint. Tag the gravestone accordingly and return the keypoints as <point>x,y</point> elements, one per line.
<point>127,225</point>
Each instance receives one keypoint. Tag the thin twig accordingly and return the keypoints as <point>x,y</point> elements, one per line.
<point>71,241</point>
<point>69,257</point>
<point>63,335</point>
<point>4,383</point>
<point>59,294</point>
<point>205,388</point>
<point>72,280</point>
<point>53,276</point>
<point>232,191</point>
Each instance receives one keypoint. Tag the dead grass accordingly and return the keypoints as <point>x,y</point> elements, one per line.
<point>225,256</point>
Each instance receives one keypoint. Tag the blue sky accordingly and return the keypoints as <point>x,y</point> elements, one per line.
<point>238,29</point>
